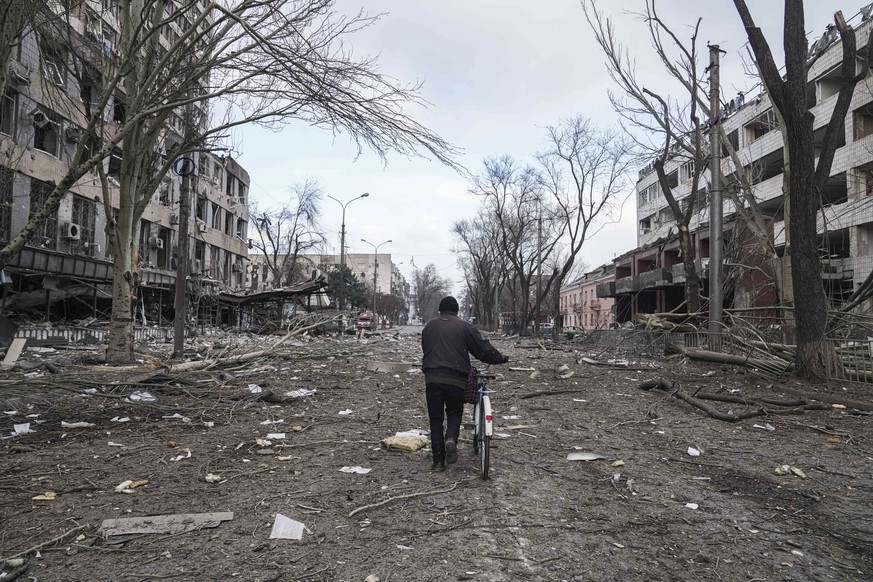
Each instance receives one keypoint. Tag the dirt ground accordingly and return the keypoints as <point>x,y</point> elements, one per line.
<point>648,510</point>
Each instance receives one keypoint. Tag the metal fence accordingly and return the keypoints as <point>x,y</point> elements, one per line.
<point>849,360</point>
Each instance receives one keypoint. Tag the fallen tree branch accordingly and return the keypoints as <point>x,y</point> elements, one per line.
<point>407,496</point>
<point>552,392</point>
<point>44,544</point>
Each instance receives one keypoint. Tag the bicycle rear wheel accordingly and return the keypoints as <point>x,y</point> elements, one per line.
<point>484,445</point>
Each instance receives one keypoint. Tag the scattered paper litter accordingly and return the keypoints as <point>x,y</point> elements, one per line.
<point>276,436</point>
<point>269,422</point>
<point>579,400</point>
<point>403,548</point>
<point>415,432</point>
<point>20,429</point>
<point>301,393</point>
<point>691,506</point>
<point>120,419</point>
<point>345,412</point>
<point>285,528</point>
<point>141,396</point>
<point>177,416</point>
<point>213,478</point>
<point>255,389</point>
<point>263,442</point>
<point>767,426</point>
<point>618,463</point>
<point>355,469</point>
<point>502,435</point>
<point>511,417</point>
<point>788,469</point>
<point>47,496</point>
<point>584,456</point>
<point>112,444</point>
<point>187,455</point>
<point>693,452</point>
<point>65,424</point>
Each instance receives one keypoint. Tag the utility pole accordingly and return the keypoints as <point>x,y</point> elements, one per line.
<point>185,167</point>
<point>341,290</point>
<point>539,262</point>
<point>375,267</point>
<point>716,239</point>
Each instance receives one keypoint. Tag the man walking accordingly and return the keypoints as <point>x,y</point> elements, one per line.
<point>447,342</point>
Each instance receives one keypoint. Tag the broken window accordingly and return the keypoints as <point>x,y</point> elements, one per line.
<point>686,172</point>
<point>229,220</point>
<point>7,113</point>
<point>52,64</point>
<point>200,210</point>
<point>111,6</point>
<point>45,235</point>
<point>119,110</point>
<point>145,233</point>
<point>215,262</point>
<point>114,170</point>
<point>231,185</point>
<point>761,126</point>
<point>863,121</point>
<point>241,228</point>
<point>85,215</point>
<point>216,216</point>
<point>165,193</point>
<point>242,193</point>
<point>7,182</point>
<point>46,132</point>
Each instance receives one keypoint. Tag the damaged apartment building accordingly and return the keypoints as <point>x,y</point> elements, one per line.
<point>65,272</point>
<point>651,277</point>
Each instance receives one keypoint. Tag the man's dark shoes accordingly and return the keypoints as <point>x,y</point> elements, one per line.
<point>438,465</point>
<point>451,451</point>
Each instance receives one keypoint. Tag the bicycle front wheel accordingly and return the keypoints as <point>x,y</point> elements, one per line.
<point>484,442</point>
<point>477,414</point>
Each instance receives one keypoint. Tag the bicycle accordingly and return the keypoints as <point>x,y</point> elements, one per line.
<point>483,421</point>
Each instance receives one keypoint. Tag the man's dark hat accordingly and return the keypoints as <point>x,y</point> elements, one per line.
<point>449,305</point>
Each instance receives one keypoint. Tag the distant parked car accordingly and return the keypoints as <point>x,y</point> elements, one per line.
<point>365,321</point>
<point>546,327</point>
<point>572,331</point>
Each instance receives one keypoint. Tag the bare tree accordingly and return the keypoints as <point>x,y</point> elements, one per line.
<point>429,289</point>
<point>483,265</point>
<point>806,178</point>
<point>669,128</point>
<point>284,234</point>
<point>254,61</point>
<point>585,173</point>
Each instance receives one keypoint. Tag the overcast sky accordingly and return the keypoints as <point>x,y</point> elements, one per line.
<point>496,73</point>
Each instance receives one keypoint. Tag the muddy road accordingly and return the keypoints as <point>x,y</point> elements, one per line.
<point>677,495</point>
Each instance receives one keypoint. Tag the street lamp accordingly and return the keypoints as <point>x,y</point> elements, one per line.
<point>343,237</point>
<point>375,267</point>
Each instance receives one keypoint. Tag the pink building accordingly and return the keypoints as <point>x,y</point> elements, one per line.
<point>580,306</point>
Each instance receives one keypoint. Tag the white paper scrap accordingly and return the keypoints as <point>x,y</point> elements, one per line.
<point>301,393</point>
<point>255,389</point>
<point>276,436</point>
<point>141,396</point>
<point>20,429</point>
<point>693,452</point>
<point>355,469</point>
<point>584,457</point>
<point>691,506</point>
<point>285,528</point>
<point>345,412</point>
<point>767,426</point>
<point>65,424</point>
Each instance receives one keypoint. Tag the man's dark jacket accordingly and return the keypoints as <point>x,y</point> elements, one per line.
<point>447,342</point>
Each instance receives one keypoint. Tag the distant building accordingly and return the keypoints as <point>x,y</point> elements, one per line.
<point>67,266</point>
<point>651,277</point>
<point>580,306</point>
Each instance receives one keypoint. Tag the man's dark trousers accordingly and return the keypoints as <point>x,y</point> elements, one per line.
<point>450,398</point>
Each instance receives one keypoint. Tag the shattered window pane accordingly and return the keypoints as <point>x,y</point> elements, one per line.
<point>46,235</point>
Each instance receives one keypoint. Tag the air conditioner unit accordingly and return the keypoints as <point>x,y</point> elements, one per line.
<point>73,134</point>
<point>174,219</point>
<point>72,231</point>
<point>201,227</point>
<point>38,117</point>
<point>156,243</point>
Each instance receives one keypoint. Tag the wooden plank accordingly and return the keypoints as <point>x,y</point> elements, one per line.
<point>13,352</point>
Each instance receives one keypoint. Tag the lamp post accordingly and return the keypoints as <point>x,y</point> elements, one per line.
<point>375,267</point>
<point>343,240</point>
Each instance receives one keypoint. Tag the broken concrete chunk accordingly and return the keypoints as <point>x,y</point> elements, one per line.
<point>162,524</point>
<point>13,352</point>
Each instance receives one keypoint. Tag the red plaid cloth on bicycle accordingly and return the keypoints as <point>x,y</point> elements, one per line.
<point>472,388</point>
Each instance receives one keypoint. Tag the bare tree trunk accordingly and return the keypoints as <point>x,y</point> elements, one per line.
<point>120,348</point>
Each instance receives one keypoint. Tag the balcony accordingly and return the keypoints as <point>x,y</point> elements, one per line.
<point>656,278</point>
<point>678,270</point>
<point>606,289</point>
<point>626,285</point>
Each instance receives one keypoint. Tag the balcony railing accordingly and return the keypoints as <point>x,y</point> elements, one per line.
<point>656,278</point>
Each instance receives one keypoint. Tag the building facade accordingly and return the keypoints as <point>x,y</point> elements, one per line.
<point>66,269</point>
<point>580,305</point>
<point>651,277</point>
